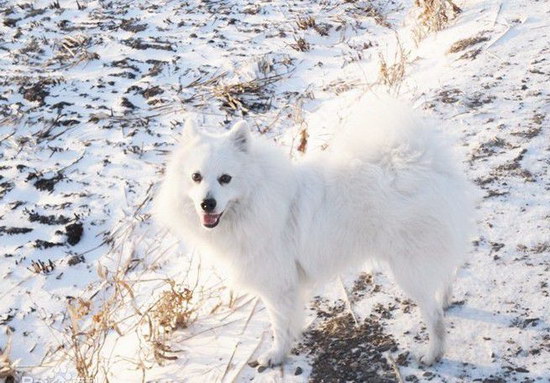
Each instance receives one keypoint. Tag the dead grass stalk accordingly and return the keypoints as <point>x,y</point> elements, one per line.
<point>391,74</point>
<point>8,370</point>
<point>434,16</point>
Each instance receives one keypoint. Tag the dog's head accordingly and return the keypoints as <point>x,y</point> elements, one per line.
<point>213,171</point>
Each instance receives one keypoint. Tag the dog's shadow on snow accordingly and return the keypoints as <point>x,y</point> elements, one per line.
<point>494,371</point>
<point>451,368</point>
<point>498,319</point>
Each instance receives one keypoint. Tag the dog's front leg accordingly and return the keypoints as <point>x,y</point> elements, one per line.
<point>286,312</point>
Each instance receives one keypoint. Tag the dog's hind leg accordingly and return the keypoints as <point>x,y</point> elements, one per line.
<point>286,312</point>
<point>417,284</point>
<point>433,316</point>
<point>445,296</point>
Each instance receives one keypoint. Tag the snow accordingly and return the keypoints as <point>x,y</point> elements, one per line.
<point>110,153</point>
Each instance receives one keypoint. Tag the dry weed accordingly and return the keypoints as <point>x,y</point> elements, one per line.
<point>8,372</point>
<point>93,320</point>
<point>304,136</point>
<point>300,44</point>
<point>340,86</point>
<point>463,44</point>
<point>434,16</point>
<point>73,50</point>
<point>86,342</point>
<point>359,10</point>
<point>391,74</point>
<point>265,65</point>
<point>244,96</point>
<point>40,267</point>
<point>174,309</point>
<point>306,23</point>
<point>377,15</point>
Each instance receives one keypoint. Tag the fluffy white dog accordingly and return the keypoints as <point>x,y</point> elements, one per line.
<point>387,188</point>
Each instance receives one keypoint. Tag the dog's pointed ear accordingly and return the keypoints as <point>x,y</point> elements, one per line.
<point>190,128</point>
<point>240,136</point>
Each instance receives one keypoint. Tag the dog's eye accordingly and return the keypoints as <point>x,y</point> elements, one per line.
<point>196,177</point>
<point>224,179</point>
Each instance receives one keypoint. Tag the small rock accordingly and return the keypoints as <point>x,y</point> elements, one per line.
<point>75,260</point>
<point>37,92</point>
<point>74,232</point>
<point>152,91</point>
<point>47,184</point>
<point>402,359</point>
<point>298,371</point>
<point>127,104</point>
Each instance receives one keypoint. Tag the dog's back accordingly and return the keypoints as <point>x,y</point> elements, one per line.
<point>389,182</point>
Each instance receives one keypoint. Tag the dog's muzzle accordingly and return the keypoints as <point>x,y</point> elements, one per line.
<point>210,220</point>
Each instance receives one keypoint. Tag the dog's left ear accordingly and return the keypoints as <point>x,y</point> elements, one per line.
<point>240,135</point>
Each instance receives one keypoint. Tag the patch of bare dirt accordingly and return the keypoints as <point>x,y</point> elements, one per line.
<point>342,351</point>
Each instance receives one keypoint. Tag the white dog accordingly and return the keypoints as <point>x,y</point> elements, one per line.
<point>387,188</point>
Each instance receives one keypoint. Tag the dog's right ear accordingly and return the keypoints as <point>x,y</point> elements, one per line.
<point>190,129</point>
<point>240,135</point>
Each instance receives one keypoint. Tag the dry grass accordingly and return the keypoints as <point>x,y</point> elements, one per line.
<point>306,23</point>
<point>300,44</point>
<point>236,96</point>
<point>377,15</point>
<point>93,321</point>
<point>391,74</point>
<point>85,344</point>
<point>174,309</point>
<point>40,267</point>
<point>340,86</point>
<point>463,44</point>
<point>434,16</point>
<point>300,141</point>
<point>244,96</point>
<point>309,22</point>
<point>304,136</point>
<point>8,371</point>
<point>73,50</point>
<point>359,10</point>
<point>119,308</point>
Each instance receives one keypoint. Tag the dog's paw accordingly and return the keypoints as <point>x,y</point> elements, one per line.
<point>271,358</point>
<point>447,302</point>
<point>430,358</point>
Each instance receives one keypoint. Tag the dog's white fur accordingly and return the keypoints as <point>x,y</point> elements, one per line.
<point>387,188</point>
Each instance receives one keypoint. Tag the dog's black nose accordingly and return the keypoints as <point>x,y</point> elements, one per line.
<point>208,205</point>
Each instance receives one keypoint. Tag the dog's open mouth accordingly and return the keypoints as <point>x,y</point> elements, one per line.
<point>211,220</point>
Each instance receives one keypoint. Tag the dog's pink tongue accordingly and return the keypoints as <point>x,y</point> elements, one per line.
<point>209,219</point>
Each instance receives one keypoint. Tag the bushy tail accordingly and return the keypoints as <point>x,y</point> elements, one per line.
<point>389,134</point>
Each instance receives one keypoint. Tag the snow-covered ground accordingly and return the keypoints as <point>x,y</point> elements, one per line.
<point>93,96</point>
